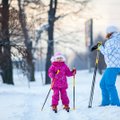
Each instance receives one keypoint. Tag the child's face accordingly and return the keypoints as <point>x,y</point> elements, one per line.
<point>59,59</point>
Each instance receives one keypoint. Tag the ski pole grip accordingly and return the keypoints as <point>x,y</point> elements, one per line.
<point>96,61</point>
<point>58,71</point>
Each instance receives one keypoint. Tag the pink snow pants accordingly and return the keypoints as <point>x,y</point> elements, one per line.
<point>62,93</point>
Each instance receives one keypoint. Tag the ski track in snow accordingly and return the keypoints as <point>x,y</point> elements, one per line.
<point>30,105</point>
<point>22,103</point>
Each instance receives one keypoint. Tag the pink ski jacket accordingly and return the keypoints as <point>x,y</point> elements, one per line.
<point>59,78</point>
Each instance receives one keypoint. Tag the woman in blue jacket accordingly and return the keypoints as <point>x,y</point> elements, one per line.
<point>111,52</point>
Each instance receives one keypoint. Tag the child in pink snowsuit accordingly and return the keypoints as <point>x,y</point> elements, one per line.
<point>58,72</point>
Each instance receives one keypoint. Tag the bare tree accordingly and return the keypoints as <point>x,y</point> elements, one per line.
<point>5,54</point>
<point>15,43</point>
<point>28,43</point>
<point>50,49</point>
<point>51,20</point>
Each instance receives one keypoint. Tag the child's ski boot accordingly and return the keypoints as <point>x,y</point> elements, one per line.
<point>67,108</point>
<point>54,108</point>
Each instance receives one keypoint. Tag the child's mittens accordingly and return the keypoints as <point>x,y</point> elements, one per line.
<point>74,71</point>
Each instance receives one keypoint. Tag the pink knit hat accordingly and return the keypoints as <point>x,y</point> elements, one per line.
<point>57,55</point>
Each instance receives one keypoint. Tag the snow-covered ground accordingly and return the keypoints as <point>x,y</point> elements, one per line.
<point>22,103</point>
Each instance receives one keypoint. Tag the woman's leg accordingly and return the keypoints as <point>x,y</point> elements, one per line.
<point>104,91</point>
<point>110,85</point>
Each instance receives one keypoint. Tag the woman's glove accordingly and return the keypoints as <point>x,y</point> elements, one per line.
<point>96,46</point>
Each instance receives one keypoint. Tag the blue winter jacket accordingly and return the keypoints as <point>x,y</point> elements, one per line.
<point>111,51</point>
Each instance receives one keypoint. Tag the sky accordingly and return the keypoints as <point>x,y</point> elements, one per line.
<point>108,12</point>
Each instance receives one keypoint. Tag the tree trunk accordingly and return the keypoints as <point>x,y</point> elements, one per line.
<point>50,49</point>
<point>6,64</point>
<point>28,43</point>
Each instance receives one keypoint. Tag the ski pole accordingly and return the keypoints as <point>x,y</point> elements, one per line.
<point>74,92</point>
<point>93,81</point>
<point>46,99</point>
<point>49,91</point>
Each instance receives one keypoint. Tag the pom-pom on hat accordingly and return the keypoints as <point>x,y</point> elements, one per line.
<point>57,55</point>
<point>111,29</point>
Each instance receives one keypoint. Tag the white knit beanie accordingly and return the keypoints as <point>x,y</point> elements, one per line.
<point>111,29</point>
<point>57,55</point>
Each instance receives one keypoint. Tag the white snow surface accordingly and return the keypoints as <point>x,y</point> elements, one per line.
<point>19,102</point>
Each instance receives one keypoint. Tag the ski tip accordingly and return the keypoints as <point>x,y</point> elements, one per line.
<point>67,110</point>
<point>89,106</point>
<point>55,111</point>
